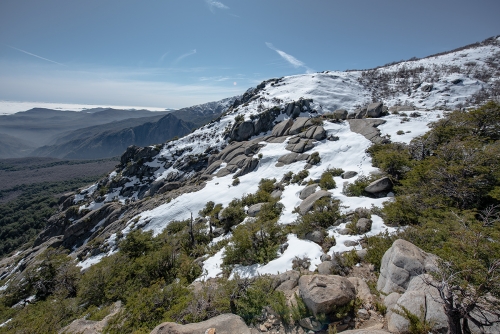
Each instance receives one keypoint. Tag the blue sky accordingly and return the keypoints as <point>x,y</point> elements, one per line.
<point>176,53</point>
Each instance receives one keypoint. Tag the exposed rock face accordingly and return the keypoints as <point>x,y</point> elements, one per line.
<point>308,191</point>
<point>427,88</point>
<point>314,132</point>
<point>383,184</point>
<point>302,146</point>
<point>374,110</point>
<point>292,157</point>
<point>401,263</point>
<point>322,293</point>
<point>281,129</point>
<point>242,131</point>
<point>222,324</point>
<point>367,128</point>
<point>83,326</point>
<point>300,124</point>
<point>362,291</point>
<point>326,267</point>
<point>307,204</point>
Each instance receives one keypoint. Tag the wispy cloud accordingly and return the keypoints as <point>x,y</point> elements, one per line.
<point>163,56</point>
<point>289,58</point>
<point>34,55</point>
<point>190,53</point>
<point>215,4</point>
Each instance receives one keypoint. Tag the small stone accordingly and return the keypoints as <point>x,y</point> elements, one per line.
<point>350,243</point>
<point>262,328</point>
<point>210,331</point>
<point>363,314</point>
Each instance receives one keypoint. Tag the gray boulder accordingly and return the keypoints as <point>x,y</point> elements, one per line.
<point>315,236</point>
<point>292,157</point>
<point>302,146</point>
<point>367,128</point>
<point>276,193</point>
<point>351,243</point>
<point>308,203</point>
<point>242,131</point>
<point>281,129</point>
<point>299,124</point>
<point>364,225</point>
<point>380,185</point>
<point>308,191</point>
<point>222,324</point>
<point>427,88</point>
<point>255,209</point>
<point>314,132</point>
<point>213,167</point>
<point>323,293</point>
<point>362,291</point>
<point>249,166</point>
<point>349,175</point>
<point>413,301</point>
<point>340,114</point>
<point>402,262</point>
<point>374,110</point>
<point>360,113</point>
<point>326,268</point>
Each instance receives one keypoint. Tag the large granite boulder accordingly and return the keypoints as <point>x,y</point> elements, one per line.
<point>292,157</point>
<point>401,263</point>
<point>242,131</point>
<point>222,324</point>
<point>314,132</point>
<point>340,114</point>
<point>308,203</point>
<point>364,225</point>
<point>281,129</point>
<point>374,110</point>
<point>381,185</point>
<point>249,166</point>
<point>300,124</point>
<point>255,209</point>
<point>323,293</point>
<point>301,146</point>
<point>367,128</point>
<point>308,191</point>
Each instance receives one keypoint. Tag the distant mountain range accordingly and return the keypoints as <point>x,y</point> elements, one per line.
<point>97,133</point>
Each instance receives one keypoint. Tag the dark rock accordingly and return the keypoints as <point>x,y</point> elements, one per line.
<point>374,110</point>
<point>248,167</point>
<point>242,131</point>
<point>427,88</point>
<point>315,236</point>
<point>360,113</point>
<point>300,124</point>
<point>457,81</point>
<point>364,225</point>
<point>169,186</point>
<point>281,129</point>
<point>302,146</point>
<point>340,114</point>
<point>213,167</point>
<point>349,175</point>
<point>380,185</point>
<point>308,191</point>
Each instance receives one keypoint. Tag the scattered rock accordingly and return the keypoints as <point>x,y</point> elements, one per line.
<point>364,225</point>
<point>361,254</point>
<point>307,204</point>
<point>363,314</point>
<point>427,88</point>
<point>349,175</point>
<point>457,81</point>
<point>367,128</point>
<point>322,293</point>
<point>380,185</point>
<point>326,268</point>
<point>363,212</point>
<point>315,236</point>
<point>255,209</point>
<point>310,323</point>
<point>345,231</point>
<point>308,191</point>
<point>350,243</point>
<point>340,114</point>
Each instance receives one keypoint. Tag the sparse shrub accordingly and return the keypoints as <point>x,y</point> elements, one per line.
<point>236,181</point>
<point>400,132</point>
<point>323,214</point>
<point>301,263</point>
<point>327,182</point>
<point>335,171</point>
<point>357,188</point>
<point>238,119</point>
<point>314,159</point>
<point>300,176</point>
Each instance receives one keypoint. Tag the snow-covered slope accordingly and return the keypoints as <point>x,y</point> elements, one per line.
<point>431,85</point>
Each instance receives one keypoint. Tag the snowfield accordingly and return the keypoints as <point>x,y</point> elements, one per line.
<point>329,91</point>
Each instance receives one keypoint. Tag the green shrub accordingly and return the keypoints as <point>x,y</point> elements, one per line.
<point>335,171</point>
<point>236,181</point>
<point>326,181</point>
<point>324,213</point>
<point>300,176</point>
<point>357,188</point>
<point>314,159</point>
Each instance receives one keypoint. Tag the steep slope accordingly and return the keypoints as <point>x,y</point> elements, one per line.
<point>99,142</point>
<point>12,147</point>
<point>311,122</point>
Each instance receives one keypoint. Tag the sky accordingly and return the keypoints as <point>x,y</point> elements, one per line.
<point>178,53</point>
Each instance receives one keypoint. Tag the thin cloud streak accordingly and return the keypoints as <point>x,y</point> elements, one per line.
<point>190,53</point>
<point>289,58</point>
<point>215,4</point>
<point>163,56</point>
<point>34,55</point>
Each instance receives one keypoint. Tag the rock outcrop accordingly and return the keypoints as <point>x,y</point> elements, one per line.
<point>323,293</point>
<point>222,324</point>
